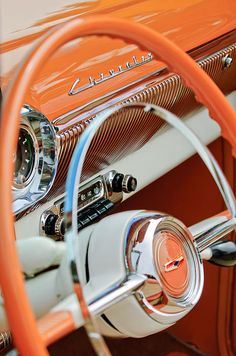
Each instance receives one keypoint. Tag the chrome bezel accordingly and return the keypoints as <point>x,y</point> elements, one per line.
<point>25,125</point>
<point>44,167</point>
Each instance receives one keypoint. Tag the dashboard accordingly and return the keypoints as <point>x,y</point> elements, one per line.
<point>124,137</point>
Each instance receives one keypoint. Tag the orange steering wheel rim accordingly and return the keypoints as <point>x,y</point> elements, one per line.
<point>21,319</point>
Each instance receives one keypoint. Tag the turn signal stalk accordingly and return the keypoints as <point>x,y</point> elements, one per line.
<point>208,232</point>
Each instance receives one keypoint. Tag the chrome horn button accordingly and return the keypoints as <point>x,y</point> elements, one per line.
<point>162,248</point>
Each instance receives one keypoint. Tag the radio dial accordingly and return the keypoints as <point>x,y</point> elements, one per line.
<point>60,227</point>
<point>124,183</point>
<point>129,184</point>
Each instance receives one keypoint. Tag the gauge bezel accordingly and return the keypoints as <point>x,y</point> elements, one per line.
<point>26,127</point>
<point>43,171</point>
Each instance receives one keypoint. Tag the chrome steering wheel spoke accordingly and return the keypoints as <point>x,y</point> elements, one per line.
<point>158,266</point>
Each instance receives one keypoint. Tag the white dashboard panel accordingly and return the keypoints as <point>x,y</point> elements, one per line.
<point>161,154</point>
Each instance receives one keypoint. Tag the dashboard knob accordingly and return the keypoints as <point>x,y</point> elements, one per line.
<point>49,225</point>
<point>60,227</point>
<point>129,184</point>
<point>117,180</point>
<point>54,226</point>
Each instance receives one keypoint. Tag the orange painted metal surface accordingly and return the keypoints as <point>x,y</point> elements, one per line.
<point>187,23</point>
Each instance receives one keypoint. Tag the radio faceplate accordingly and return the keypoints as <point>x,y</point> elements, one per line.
<point>89,194</point>
<point>95,199</point>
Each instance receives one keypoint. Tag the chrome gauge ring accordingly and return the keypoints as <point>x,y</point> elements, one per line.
<point>25,157</point>
<point>35,159</point>
<point>156,247</point>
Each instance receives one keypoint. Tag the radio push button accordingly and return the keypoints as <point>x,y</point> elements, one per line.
<point>92,214</point>
<point>108,204</point>
<point>83,219</point>
<point>99,207</point>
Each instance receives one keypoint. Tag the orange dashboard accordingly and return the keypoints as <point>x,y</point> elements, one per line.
<point>189,24</point>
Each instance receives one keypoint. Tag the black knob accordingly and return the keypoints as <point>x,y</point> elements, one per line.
<point>50,222</point>
<point>54,226</point>
<point>129,184</point>
<point>117,182</point>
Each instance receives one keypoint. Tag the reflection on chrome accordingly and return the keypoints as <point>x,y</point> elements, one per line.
<point>211,230</point>
<point>35,159</point>
<point>154,240</point>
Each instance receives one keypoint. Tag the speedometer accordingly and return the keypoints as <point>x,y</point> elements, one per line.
<point>25,159</point>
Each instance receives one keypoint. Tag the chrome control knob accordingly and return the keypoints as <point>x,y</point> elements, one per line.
<point>54,226</point>
<point>60,228</point>
<point>129,184</point>
<point>124,183</point>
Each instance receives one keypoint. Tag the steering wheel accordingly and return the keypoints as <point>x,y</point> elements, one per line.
<point>26,335</point>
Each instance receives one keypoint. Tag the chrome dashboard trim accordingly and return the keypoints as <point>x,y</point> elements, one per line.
<point>74,112</point>
<point>100,103</point>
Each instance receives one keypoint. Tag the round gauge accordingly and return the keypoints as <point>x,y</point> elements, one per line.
<point>24,158</point>
<point>35,159</point>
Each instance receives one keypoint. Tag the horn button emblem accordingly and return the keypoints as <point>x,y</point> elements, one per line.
<point>174,264</point>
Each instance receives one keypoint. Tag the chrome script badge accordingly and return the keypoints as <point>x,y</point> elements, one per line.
<point>76,88</point>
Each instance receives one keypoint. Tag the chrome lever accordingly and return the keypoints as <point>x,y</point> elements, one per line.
<point>209,231</point>
<point>223,254</point>
<point>127,288</point>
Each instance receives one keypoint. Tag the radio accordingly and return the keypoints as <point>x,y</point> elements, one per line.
<point>95,199</point>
